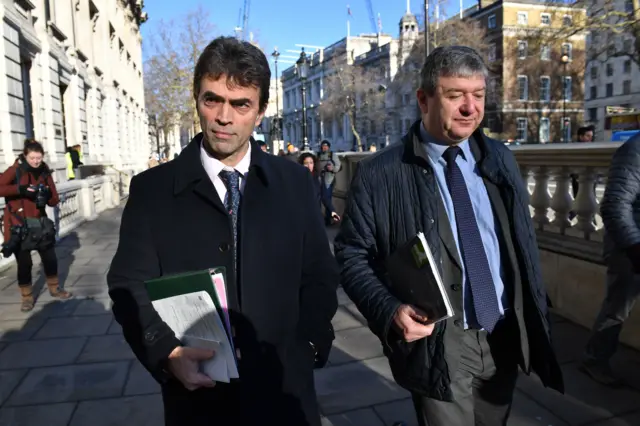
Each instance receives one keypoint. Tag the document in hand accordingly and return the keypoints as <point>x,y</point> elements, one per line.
<point>194,306</point>
<point>415,279</point>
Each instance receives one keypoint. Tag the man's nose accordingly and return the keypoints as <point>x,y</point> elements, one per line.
<point>224,114</point>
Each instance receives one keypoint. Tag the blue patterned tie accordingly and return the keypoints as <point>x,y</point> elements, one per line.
<point>483,291</point>
<point>231,179</point>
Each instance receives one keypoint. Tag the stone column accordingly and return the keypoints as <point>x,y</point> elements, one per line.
<point>562,200</point>
<point>540,199</point>
<point>5,116</point>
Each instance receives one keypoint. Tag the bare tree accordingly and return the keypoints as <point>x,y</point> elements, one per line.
<point>168,70</point>
<point>356,91</point>
<point>614,33</point>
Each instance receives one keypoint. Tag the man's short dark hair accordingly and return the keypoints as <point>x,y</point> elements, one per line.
<point>584,129</point>
<point>240,61</point>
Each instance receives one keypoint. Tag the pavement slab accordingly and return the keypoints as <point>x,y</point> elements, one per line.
<point>66,363</point>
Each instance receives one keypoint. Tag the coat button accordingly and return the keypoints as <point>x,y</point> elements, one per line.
<point>455,287</point>
<point>457,323</point>
<point>150,337</point>
<point>223,247</point>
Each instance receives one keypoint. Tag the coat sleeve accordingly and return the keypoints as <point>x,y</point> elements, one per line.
<point>622,190</point>
<point>135,262</point>
<point>8,186</point>
<point>320,277</point>
<point>55,198</point>
<point>356,251</point>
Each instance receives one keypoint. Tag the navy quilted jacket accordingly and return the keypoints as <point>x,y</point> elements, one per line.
<point>391,199</point>
<point>620,206</point>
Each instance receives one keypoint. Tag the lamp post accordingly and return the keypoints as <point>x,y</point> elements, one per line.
<point>275,56</point>
<point>303,73</point>
<point>426,28</point>
<point>382,88</point>
<point>565,60</point>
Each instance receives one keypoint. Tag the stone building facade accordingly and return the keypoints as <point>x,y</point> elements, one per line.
<point>71,73</point>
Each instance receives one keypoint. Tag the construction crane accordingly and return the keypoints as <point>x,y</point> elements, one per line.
<point>241,29</point>
<point>372,16</point>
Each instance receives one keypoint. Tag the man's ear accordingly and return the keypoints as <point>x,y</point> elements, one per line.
<point>421,95</point>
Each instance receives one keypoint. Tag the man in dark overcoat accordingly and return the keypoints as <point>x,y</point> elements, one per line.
<point>208,208</point>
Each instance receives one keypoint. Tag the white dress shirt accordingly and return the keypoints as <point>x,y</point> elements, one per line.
<point>213,167</point>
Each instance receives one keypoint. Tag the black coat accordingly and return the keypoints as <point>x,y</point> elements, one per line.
<point>283,298</point>
<point>394,195</point>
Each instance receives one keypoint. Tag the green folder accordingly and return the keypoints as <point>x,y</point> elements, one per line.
<point>190,282</point>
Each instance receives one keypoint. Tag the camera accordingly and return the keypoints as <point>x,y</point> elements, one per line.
<point>10,247</point>
<point>42,195</point>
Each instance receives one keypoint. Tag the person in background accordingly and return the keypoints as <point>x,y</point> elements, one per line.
<point>28,188</point>
<point>329,165</point>
<point>464,192</point>
<point>309,161</point>
<point>585,134</point>
<point>620,209</point>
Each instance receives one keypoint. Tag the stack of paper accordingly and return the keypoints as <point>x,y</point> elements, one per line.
<point>194,305</point>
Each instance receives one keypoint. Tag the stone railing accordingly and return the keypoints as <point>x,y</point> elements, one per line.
<point>83,200</point>
<point>569,231</point>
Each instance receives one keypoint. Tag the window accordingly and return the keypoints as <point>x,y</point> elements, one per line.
<point>626,46</point>
<point>594,72</point>
<point>567,49</point>
<point>545,19</point>
<point>609,90</point>
<point>25,67</point>
<point>491,22</point>
<point>523,88</point>
<point>566,86</point>
<point>521,129</point>
<point>545,88</point>
<point>627,66</point>
<point>491,56</point>
<point>523,18</point>
<point>545,53</point>
<point>565,125</point>
<point>592,114</point>
<point>544,130</point>
<point>566,21</point>
<point>611,50</point>
<point>626,87</point>
<point>609,70</point>
<point>594,92</point>
<point>522,49</point>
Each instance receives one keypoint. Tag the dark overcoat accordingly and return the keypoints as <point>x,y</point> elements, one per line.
<point>282,297</point>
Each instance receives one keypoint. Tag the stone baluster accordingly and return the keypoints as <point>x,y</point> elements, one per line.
<point>540,199</point>
<point>524,172</point>
<point>603,176</point>
<point>585,204</point>
<point>562,200</point>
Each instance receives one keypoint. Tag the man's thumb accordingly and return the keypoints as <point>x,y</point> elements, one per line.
<point>199,353</point>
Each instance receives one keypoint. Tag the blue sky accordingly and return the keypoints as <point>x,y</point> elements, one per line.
<point>285,23</point>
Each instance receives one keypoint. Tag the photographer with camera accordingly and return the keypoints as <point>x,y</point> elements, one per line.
<point>28,188</point>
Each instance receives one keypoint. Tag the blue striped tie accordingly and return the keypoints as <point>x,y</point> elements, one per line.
<point>483,291</point>
<point>231,179</point>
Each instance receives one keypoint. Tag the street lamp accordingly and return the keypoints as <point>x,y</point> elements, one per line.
<point>303,73</point>
<point>565,61</point>
<point>275,56</point>
<point>382,88</point>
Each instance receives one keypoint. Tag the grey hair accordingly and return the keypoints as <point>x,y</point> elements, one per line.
<point>450,61</point>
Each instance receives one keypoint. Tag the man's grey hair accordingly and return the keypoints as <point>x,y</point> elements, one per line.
<point>450,61</point>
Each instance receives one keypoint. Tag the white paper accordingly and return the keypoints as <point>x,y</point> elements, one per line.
<point>196,323</point>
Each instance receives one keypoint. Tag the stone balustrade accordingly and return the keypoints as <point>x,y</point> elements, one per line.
<point>569,230</point>
<point>83,200</point>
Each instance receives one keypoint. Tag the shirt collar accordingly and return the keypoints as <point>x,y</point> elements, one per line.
<point>213,166</point>
<point>435,148</point>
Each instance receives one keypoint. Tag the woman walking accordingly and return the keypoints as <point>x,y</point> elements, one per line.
<point>308,160</point>
<point>28,188</point>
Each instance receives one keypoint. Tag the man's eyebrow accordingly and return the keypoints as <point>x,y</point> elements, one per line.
<point>238,101</point>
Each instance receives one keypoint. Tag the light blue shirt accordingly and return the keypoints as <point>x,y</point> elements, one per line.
<point>483,210</point>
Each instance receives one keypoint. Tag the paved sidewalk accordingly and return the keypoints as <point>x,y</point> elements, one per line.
<point>66,363</point>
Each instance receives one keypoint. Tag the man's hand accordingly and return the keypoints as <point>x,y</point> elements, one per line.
<point>409,322</point>
<point>183,364</point>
